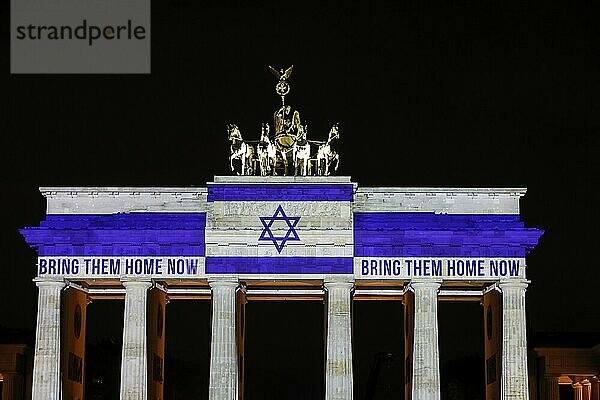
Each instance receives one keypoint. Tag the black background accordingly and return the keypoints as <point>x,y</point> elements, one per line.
<point>481,93</point>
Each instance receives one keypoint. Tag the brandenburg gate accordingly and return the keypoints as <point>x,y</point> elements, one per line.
<point>281,227</point>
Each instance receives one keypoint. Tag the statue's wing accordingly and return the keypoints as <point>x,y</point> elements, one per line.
<point>288,72</point>
<point>275,72</point>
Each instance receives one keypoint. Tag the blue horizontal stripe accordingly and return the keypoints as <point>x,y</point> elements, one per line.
<point>279,265</point>
<point>442,235</point>
<point>280,192</point>
<point>130,234</point>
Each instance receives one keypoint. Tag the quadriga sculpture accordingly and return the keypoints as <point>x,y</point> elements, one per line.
<point>287,150</point>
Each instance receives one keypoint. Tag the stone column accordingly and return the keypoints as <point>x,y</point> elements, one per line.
<point>223,383</point>
<point>12,386</point>
<point>338,366</point>
<point>46,362</point>
<point>134,357</point>
<point>578,391</point>
<point>550,389</point>
<point>514,379</point>
<point>595,388</point>
<point>586,390</point>
<point>426,355</point>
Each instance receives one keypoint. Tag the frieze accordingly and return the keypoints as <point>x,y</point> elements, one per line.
<point>252,209</point>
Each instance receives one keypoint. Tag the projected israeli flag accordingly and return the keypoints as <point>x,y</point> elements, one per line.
<point>280,228</point>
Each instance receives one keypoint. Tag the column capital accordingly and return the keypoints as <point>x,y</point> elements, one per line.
<point>513,283</point>
<point>223,281</point>
<point>53,281</point>
<point>342,283</point>
<point>139,282</point>
<point>424,283</point>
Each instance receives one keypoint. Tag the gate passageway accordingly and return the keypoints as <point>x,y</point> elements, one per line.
<point>284,350</point>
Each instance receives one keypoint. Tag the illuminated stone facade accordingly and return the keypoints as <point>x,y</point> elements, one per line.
<point>280,237</point>
<point>15,371</point>
<point>574,369</point>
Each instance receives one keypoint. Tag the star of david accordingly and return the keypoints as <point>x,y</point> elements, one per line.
<point>279,241</point>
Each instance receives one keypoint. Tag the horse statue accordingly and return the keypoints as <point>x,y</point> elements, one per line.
<point>327,155</point>
<point>267,153</point>
<point>302,153</point>
<point>240,150</point>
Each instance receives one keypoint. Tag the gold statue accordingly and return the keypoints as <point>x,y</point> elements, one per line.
<point>286,150</point>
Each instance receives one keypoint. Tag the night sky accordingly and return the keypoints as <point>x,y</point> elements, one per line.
<point>482,93</point>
